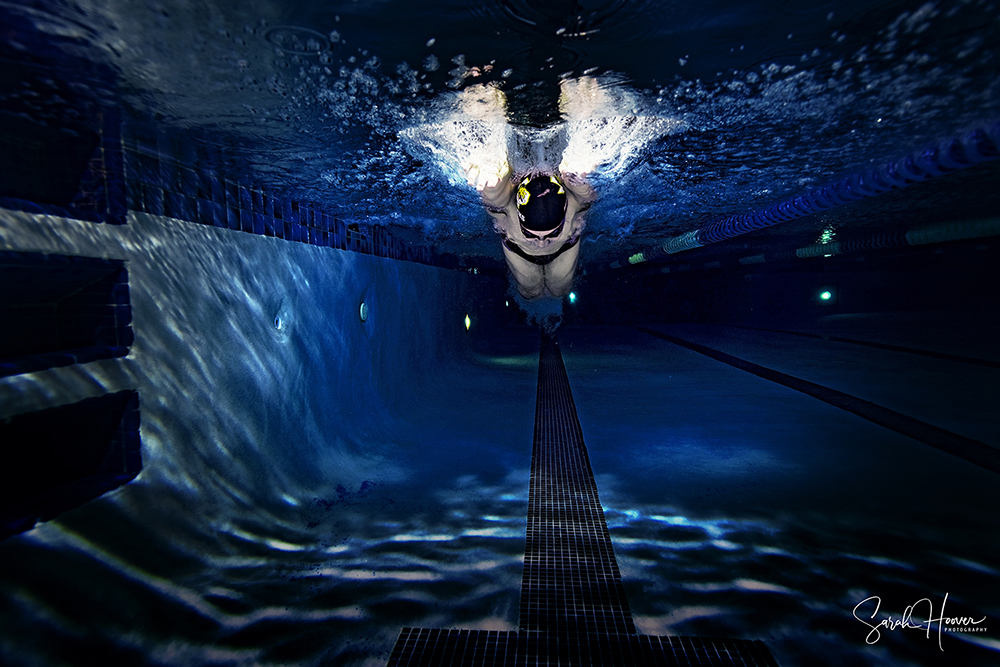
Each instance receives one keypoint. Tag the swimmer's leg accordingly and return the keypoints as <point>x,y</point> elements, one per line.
<point>558,274</point>
<point>529,277</point>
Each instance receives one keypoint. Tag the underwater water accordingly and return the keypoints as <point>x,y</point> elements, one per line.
<point>314,480</point>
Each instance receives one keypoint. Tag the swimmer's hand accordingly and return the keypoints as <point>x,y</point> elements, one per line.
<point>573,177</point>
<point>579,167</point>
<point>488,176</point>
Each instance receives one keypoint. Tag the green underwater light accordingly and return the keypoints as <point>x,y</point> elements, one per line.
<point>572,297</point>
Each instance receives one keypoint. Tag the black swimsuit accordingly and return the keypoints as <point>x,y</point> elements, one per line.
<point>540,260</point>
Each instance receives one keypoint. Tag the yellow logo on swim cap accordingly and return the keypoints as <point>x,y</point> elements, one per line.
<point>560,191</point>
<point>523,195</point>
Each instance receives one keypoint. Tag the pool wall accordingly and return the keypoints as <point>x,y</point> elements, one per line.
<point>245,342</point>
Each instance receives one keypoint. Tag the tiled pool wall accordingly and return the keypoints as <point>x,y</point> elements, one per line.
<point>68,310</point>
<point>188,181</point>
<point>100,195</point>
<point>74,309</point>
<point>64,456</point>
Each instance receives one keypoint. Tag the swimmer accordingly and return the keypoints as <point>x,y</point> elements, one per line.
<point>540,221</point>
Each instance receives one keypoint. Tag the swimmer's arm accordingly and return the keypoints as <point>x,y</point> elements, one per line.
<point>500,220</point>
<point>579,187</point>
<point>581,196</point>
<point>498,200</point>
<point>497,196</point>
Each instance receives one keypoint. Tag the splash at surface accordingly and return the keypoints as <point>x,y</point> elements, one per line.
<point>322,105</point>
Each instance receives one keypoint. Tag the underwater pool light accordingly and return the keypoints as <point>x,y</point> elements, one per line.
<point>572,297</point>
<point>363,312</point>
<point>468,322</point>
<point>825,295</point>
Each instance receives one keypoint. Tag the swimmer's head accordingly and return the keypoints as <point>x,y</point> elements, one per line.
<point>541,206</point>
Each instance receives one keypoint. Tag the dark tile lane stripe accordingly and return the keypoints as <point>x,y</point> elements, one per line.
<point>571,583</point>
<point>882,346</point>
<point>964,448</point>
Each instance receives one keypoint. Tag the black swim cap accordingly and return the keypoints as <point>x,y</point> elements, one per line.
<point>541,205</point>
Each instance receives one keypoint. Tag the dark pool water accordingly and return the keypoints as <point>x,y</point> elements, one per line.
<point>312,482</point>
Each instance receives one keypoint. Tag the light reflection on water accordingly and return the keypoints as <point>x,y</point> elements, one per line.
<point>779,579</point>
